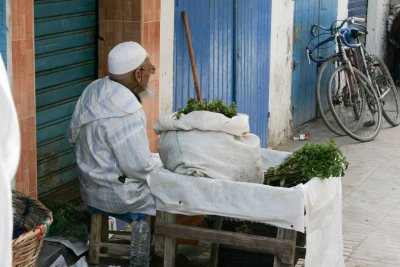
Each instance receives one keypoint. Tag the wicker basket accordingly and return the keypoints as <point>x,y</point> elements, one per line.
<point>36,218</point>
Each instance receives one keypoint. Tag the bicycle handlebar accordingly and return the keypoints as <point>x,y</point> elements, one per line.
<point>310,49</point>
<point>345,34</point>
<point>333,28</point>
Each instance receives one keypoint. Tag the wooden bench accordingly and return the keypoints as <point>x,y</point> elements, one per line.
<point>166,230</point>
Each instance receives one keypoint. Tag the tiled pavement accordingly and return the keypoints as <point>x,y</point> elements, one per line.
<point>371,195</point>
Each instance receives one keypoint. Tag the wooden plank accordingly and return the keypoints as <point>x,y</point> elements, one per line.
<point>112,256</point>
<point>104,228</point>
<point>215,247</point>
<point>290,235</point>
<point>113,246</point>
<point>119,232</point>
<point>169,244</point>
<point>300,252</point>
<point>94,238</point>
<point>284,249</point>
<point>159,239</point>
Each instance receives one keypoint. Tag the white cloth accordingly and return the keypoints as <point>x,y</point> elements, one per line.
<point>209,144</point>
<point>282,207</point>
<point>204,121</point>
<point>9,158</point>
<point>108,129</point>
<point>126,57</point>
<point>324,223</point>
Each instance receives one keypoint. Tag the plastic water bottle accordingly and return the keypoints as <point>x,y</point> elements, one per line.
<point>140,243</point>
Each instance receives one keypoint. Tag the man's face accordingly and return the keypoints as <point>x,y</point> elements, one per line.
<point>146,70</point>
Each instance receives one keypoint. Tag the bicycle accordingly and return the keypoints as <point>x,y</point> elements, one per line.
<point>352,101</point>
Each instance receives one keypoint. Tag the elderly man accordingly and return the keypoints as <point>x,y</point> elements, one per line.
<point>108,130</point>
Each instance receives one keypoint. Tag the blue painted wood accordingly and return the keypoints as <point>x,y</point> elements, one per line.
<point>214,37</point>
<point>59,93</point>
<point>64,24</point>
<point>304,74</point>
<point>3,32</point>
<point>327,16</point>
<point>48,183</point>
<point>54,131</point>
<point>357,8</point>
<point>252,47</point>
<point>307,13</point>
<point>64,58</point>
<point>357,3</point>
<point>44,9</point>
<point>55,164</point>
<point>48,114</point>
<point>65,63</point>
<point>56,77</point>
<point>54,43</point>
<point>53,148</point>
<point>360,12</point>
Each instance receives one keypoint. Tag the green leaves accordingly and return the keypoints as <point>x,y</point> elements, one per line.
<point>69,222</point>
<point>312,160</point>
<point>216,105</point>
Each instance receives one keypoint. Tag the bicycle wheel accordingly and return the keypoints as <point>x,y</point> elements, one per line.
<point>324,73</point>
<point>354,104</point>
<point>388,94</point>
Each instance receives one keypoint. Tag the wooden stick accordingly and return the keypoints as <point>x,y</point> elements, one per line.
<point>191,53</point>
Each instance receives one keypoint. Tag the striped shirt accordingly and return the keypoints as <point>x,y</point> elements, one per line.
<point>108,130</point>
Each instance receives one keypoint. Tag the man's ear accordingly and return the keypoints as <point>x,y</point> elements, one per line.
<point>138,75</point>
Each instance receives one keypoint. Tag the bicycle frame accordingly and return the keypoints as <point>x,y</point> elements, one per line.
<point>367,70</point>
<point>356,85</point>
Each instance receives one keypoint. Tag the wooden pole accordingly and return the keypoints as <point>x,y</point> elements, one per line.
<point>191,53</point>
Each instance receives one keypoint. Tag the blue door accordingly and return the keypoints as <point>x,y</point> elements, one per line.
<point>307,13</point>
<point>231,42</point>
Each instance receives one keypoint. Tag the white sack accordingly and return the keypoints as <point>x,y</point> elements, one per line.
<point>323,199</point>
<point>209,144</point>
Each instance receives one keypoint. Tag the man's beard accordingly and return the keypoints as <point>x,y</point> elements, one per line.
<point>148,93</point>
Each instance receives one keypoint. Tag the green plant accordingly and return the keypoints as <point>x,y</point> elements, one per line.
<point>216,105</point>
<point>312,160</point>
<point>69,222</point>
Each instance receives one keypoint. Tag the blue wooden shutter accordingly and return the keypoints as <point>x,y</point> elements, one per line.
<point>252,50</point>
<point>307,13</point>
<point>231,46</point>
<point>304,74</point>
<point>211,29</point>
<point>65,63</point>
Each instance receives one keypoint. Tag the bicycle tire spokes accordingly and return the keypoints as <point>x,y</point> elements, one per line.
<point>354,104</point>
<point>341,94</point>
<point>325,112</point>
<point>386,89</point>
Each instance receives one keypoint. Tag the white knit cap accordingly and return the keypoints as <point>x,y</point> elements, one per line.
<point>126,57</point>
